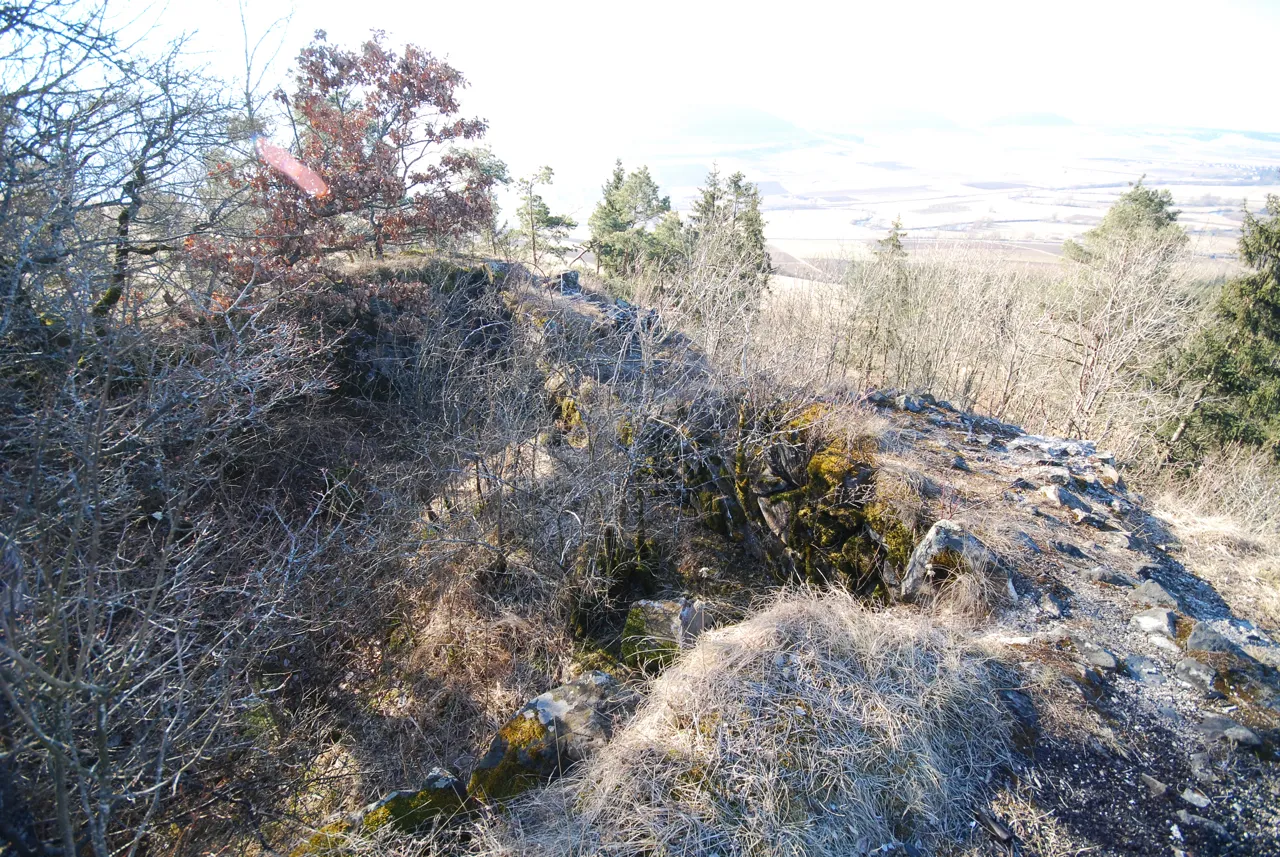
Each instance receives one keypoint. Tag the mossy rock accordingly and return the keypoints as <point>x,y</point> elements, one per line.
<point>407,811</point>
<point>656,631</point>
<point>589,656</point>
<point>892,532</point>
<point>551,733</point>
<point>948,548</point>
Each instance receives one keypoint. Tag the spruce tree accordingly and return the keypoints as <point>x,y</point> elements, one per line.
<point>622,224</point>
<point>1236,361</point>
<point>1140,212</point>
<point>727,213</point>
<point>889,248</point>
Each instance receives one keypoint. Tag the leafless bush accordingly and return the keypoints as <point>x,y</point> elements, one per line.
<point>1072,350</point>
<point>1236,483</point>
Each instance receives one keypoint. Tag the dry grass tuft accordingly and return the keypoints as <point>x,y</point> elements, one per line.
<point>1036,830</point>
<point>1227,519</point>
<point>814,728</point>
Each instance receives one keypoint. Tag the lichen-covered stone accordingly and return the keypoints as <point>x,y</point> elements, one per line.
<point>1203,638</point>
<point>1153,594</point>
<point>656,631</point>
<point>789,462</point>
<point>1110,477</point>
<point>406,811</point>
<point>1218,728</point>
<point>779,512</point>
<point>551,733</point>
<point>946,548</point>
<point>1199,675</point>
<point>1095,655</point>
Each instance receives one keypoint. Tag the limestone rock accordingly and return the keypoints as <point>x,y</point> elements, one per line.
<point>1143,669</point>
<point>1049,474</point>
<point>406,811</point>
<point>657,630</point>
<point>768,484</point>
<point>1110,477</point>
<point>1192,820</point>
<point>1089,519</point>
<point>1055,446</point>
<point>550,733</point>
<point>1153,785</point>
<point>1203,638</point>
<point>1195,797</point>
<point>1061,498</point>
<point>1024,711</point>
<point>1095,655</point>
<point>947,547</point>
<point>1051,605</point>
<point>1202,768</point>
<point>908,403</point>
<point>1195,673</point>
<point>789,461</point>
<point>1152,594</point>
<point>778,513</point>
<point>1157,620</point>
<point>1217,728</point>
<point>1068,549</point>
<point>565,282</point>
<point>1103,574</point>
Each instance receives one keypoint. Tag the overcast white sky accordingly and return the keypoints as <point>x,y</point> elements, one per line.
<point>574,84</point>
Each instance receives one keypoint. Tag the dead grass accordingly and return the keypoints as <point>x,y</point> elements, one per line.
<point>814,728</point>
<point>1036,830</point>
<point>1226,517</point>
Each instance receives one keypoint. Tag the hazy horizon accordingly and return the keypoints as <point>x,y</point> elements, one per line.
<point>1001,122</point>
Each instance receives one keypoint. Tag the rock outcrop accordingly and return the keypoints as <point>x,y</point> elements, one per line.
<point>945,550</point>
<point>656,631</point>
<point>550,734</point>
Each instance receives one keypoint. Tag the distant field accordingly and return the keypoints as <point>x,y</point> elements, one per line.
<point>798,262</point>
<point>1021,190</point>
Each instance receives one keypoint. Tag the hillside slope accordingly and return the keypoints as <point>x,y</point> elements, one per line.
<point>1129,707</point>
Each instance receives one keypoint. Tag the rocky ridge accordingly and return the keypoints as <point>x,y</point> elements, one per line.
<point>1148,709</point>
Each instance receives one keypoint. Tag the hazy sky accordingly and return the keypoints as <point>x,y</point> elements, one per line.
<point>574,84</point>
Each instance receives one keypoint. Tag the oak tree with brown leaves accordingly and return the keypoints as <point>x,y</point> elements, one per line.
<point>383,131</point>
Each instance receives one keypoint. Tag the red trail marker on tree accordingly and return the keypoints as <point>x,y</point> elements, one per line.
<point>297,172</point>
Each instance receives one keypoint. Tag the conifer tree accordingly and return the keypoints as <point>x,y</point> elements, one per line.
<point>729,211</point>
<point>544,231</point>
<point>1139,212</point>
<point>622,235</point>
<point>890,247</point>
<point>1237,359</point>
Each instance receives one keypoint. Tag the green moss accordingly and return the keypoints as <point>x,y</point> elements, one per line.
<point>328,841</point>
<point>589,656</point>
<point>568,413</point>
<point>838,460</point>
<point>641,650</point>
<point>626,432</point>
<point>899,540</point>
<point>260,724</point>
<point>109,299</point>
<point>524,741</point>
<point>408,812</point>
<point>807,418</point>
